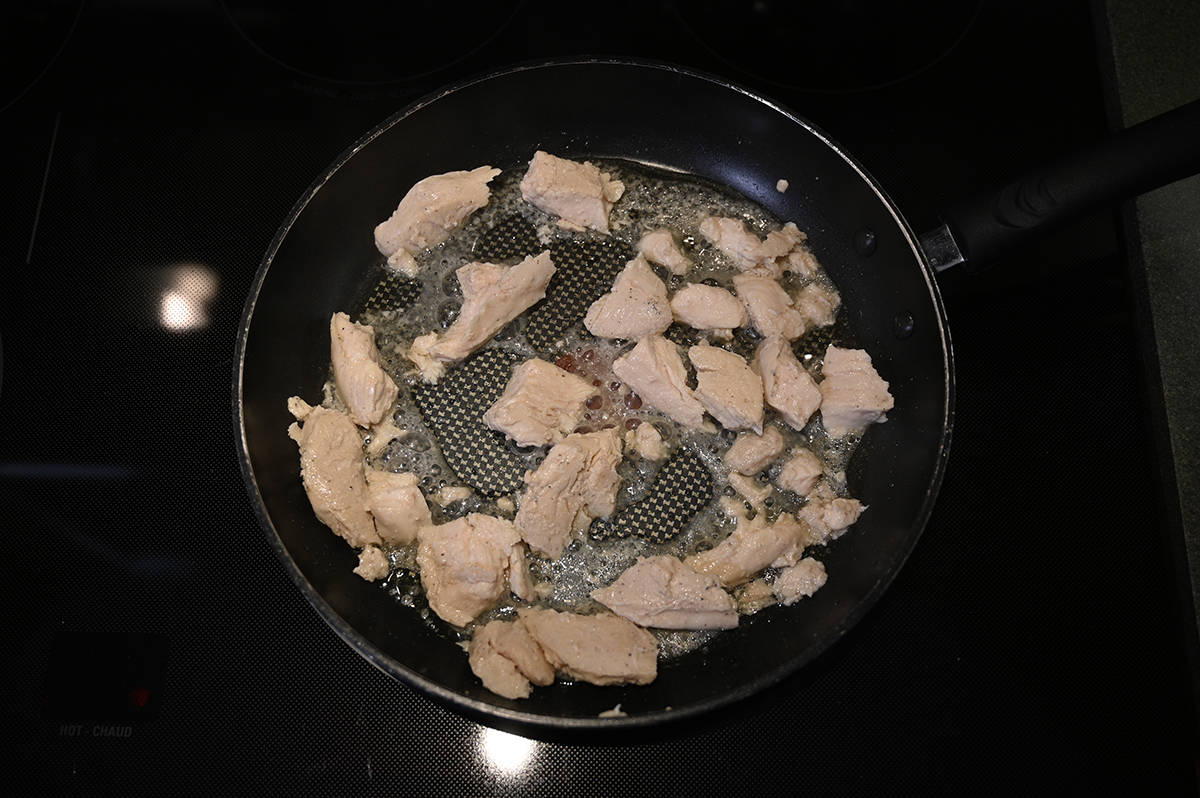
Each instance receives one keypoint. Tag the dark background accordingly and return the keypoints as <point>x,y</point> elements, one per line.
<point>1037,640</point>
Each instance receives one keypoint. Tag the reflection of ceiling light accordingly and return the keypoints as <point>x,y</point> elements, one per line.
<point>505,752</point>
<point>183,304</point>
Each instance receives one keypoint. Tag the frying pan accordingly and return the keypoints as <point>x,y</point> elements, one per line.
<point>681,121</point>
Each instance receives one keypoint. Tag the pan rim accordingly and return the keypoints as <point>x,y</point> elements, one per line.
<point>488,713</point>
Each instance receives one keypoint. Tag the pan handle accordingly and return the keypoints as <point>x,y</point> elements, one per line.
<point>1133,161</point>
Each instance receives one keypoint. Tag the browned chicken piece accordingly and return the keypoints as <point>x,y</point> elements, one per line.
<point>788,388</point>
<point>431,210</point>
<point>782,250</point>
<point>750,548</point>
<point>601,649</point>
<point>659,246</point>
<point>542,404</point>
<point>728,388</point>
<point>663,593</point>
<point>770,308</point>
<point>853,395</point>
<point>646,441</point>
<point>578,193</point>
<point>708,307</point>
<point>636,306</point>
<point>398,506</point>
<point>752,452</point>
<point>506,659</point>
<point>799,581</point>
<point>331,467</point>
<point>492,297</point>
<point>576,483</point>
<point>365,388</point>
<point>754,596</point>
<point>372,564</point>
<point>817,304</point>
<point>800,473</point>
<point>655,371</point>
<point>828,517</point>
<point>464,565</point>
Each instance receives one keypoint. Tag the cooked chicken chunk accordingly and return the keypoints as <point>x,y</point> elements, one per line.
<point>799,581</point>
<point>800,473</point>
<point>464,565</point>
<point>576,482</point>
<point>708,307</point>
<point>636,306</point>
<point>492,297</point>
<point>519,580</point>
<point>817,304</point>
<point>782,249</point>
<point>655,371</point>
<point>658,246</point>
<point>372,564</point>
<point>331,466</point>
<point>431,210</point>
<point>542,404</point>
<point>769,306</point>
<point>420,354</point>
<point>853,394</point>
<point>750,548</point>
<point>398,506</point>
<point>601,649</point>
<point>787,387</point>
<point>751,489</point>
<point>754,596</point>
<point>381,435</point>
<point>663,593</point>
<point>752,452</point>
<point>828,518</point>
<point>646,441</point>
<point>450,494</point>
<point>506,659</point>
<point>578,193</point>
<point>727,388</point>
<point>366,389</point>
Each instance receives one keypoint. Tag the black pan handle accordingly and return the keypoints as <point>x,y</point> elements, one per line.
<point>1140,158</point>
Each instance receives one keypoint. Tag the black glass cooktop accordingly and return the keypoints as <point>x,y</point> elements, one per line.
<point>1032,643</point>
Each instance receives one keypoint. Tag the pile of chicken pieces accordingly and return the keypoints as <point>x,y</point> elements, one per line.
<point>470,564</point>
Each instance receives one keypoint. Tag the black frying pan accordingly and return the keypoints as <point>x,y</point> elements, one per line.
<point>682,121</point>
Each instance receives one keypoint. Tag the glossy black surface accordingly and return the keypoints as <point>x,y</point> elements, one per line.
<point>1031,643</point>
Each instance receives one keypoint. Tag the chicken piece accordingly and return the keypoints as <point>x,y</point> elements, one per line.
<point>754,596</point>
<point>727,388</point>
<point>663,593</point>
<point>398,506</point>
<point>750,548</point>
<point>646,441</point>
<point>506,659</point>
<point>658,246</point>
<point>298,407</point>
<point>372,564</point>
<point>817,304</point>
<point>800,473</point>
<point>450,494</point>
<point>578,193</point>
<point>752,452</point>
<point>431,210</point>
<point>542,404</point>
<point>770,308</point>
<point>751,489</point>
<point>464,565</point>
<point>519,580</point>
<point>788,388</point>
<point>853,395</point>
<point>366,389</point>
<point>828,518</point>
<point>655,371</point>
<point>382,434</point>
<point>799,581</point>
<point>492,297</point>
<point>576,482</point>
<point>331,467</point>
<point>420,354</point>
<point>782,249</point>
<point>708,307</point>
<point>636,306</point>
<point>601,649</point>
